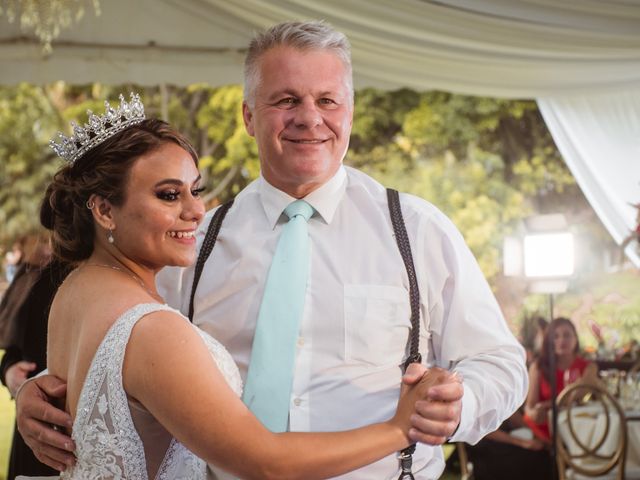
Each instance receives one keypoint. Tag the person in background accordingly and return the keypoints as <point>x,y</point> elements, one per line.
<point>532,336</point>
<point>561,338</point>
<point>35,253</point>
<point>13,258</point>
<point>25,355</point>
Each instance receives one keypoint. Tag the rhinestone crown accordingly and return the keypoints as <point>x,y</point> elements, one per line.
<point>99,128</point>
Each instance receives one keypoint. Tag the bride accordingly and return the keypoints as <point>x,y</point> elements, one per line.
<point>151,395</point>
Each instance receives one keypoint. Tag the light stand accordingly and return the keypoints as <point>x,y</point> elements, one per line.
<point>554,394</point>
<point>544,255</point>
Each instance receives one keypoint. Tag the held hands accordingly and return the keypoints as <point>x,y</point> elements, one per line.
<point>17,374</point>
<point>36,417</point>
<point>430,404</point>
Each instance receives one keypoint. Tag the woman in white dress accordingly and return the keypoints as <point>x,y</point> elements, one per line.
<point>150,394</point>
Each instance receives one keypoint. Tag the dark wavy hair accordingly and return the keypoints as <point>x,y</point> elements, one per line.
<point>544,360</point>
<point>103,170</point>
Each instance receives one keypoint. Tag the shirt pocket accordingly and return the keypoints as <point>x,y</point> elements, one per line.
<point>377,324</point>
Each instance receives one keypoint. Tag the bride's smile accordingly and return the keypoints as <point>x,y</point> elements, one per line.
<point>155,226</point>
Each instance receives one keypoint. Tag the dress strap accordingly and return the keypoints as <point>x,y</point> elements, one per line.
<point>402,239</point>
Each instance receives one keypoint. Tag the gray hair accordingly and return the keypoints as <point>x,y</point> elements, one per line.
<point>311,35</point>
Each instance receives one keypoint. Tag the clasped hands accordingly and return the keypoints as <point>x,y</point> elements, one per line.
<point>430,406</point>
<point>436,403</point>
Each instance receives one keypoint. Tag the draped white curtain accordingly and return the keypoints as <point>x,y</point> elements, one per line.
<point>579,58</point>
<point>599,138</point>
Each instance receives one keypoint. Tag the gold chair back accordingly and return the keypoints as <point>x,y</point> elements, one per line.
<point>600,450</point>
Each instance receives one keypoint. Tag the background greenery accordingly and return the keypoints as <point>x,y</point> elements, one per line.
<point>487,163</point>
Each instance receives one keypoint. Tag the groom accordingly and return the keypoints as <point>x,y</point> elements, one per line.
<point>355,322</point>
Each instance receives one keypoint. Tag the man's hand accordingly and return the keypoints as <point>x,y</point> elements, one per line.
<point>36,417</point>
<point>438,413</point>
<point>17,374</point>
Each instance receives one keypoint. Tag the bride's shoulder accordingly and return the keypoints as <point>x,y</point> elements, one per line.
<point>159,341</point>
<point>160,325</point>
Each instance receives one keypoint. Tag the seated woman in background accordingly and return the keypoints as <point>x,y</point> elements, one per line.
<point>561,335</point>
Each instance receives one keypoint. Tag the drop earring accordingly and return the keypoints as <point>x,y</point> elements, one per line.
<point>110,238</point>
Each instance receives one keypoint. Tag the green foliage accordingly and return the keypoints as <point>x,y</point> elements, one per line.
<point>233,161</point>
<point>484,162</point>
<point>27,121</point>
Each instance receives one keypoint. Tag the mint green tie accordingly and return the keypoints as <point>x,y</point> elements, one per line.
<point>267,390</point>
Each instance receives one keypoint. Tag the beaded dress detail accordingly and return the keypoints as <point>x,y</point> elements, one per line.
<point>108,444</point>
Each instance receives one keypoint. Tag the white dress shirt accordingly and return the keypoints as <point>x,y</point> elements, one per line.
<point>356,323</point>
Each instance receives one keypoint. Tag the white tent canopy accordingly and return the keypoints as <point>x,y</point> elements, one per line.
<point>577,57</point>
<point>501,48</point>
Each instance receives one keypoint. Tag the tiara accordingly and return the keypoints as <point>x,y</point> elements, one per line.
<point>99,128</point>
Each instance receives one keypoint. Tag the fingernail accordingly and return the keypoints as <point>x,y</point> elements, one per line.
<point>69,423</point>
<point>67,446</point>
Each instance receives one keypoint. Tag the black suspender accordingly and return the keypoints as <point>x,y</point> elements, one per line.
<point>404,246</point>
<point>207,245</point>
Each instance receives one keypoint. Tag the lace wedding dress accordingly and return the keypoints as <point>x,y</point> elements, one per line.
<point>116,438</point>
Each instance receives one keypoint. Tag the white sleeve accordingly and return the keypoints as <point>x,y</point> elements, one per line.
<point>467,330</point>
<point>169,283</point>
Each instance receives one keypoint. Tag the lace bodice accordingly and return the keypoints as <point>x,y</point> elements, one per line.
<point>108,445</point>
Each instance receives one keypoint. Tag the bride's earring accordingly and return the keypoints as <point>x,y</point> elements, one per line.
<point>110,238</point>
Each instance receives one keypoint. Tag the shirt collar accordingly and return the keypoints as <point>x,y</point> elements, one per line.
<point>324,200</point>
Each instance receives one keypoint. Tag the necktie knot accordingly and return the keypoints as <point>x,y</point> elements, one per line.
<point>299,207</point>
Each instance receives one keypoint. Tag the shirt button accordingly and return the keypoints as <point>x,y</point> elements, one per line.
<point>300,341</point>
<point>297,402</point>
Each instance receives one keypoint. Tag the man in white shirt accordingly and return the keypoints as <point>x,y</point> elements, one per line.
<point>355,325</point>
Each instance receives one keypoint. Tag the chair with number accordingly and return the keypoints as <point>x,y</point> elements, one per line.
<point>592,434</point>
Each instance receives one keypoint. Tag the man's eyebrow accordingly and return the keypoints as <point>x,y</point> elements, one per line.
<point>280,93</point>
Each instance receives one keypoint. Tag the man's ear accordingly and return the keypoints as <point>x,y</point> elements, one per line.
<point>247,116</point>
<point>102,212</point>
